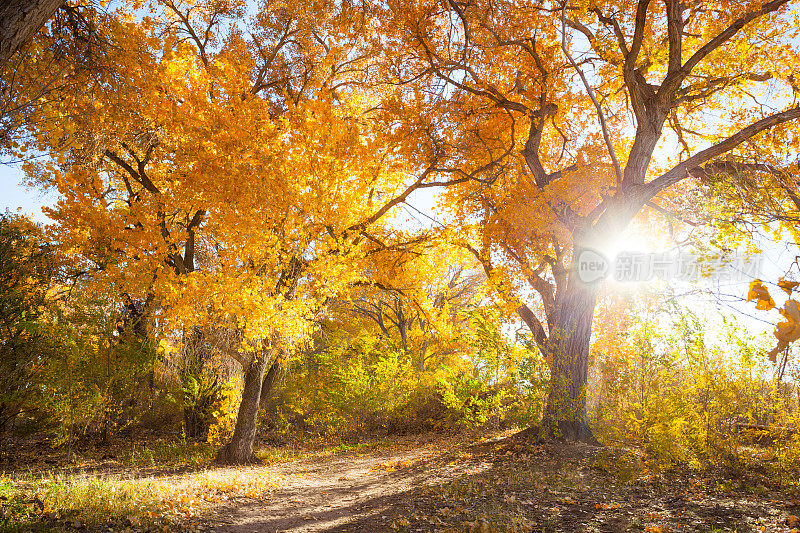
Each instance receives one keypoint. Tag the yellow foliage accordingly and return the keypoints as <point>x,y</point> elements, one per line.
<point>198,175</point>
<point>224,412</point>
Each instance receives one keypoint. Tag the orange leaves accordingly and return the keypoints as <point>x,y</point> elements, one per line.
<point>284,173</point>
<point>787,331</point>
<point>787,286</point>
<point>760,294</point>
<point>606,506</point>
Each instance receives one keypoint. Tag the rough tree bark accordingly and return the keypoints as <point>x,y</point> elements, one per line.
<point>240,449</point>
<point>268,385</point>
<point>566,349</point>
<point>19,22</point>
<point>568,354</point>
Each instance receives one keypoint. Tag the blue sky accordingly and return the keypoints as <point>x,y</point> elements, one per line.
<point>17,198</point>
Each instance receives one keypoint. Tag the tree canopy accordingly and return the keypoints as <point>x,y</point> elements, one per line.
<point>232,169</point>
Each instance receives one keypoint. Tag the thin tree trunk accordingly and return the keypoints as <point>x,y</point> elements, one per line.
<point>108,400</point>
<point>402,326</point>
<point>19,22</point>
<point>240,449</point>
<point>71,409</point>
<point>268,385</point>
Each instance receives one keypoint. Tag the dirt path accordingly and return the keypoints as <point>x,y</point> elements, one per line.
<point>347,492</point>
<point>505,485</point>
<point>428,483</point>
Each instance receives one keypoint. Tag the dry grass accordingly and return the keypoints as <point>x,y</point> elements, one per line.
<point>127,498</point>
<point>166,483</point>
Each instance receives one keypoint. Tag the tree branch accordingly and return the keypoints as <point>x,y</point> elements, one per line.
<point>683,169</point>
<point>674,79</point>
<point>600,115</point>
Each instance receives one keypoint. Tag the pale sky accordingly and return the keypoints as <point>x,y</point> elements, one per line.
<point>17,198</point>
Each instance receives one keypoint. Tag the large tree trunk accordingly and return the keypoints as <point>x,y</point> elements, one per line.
<point>240,449</point>
<point>568,351</point>
<point>568,342</point>
<point>19,22</point>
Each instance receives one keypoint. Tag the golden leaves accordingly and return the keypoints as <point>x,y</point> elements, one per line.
<point>280,171</point>
<point>787,331</point>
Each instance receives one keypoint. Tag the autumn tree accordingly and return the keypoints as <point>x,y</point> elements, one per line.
<point>233,181</point>
<point>28,269</point>
<point>565,121</point>
<point>69,48</point>
<point>417,303</point>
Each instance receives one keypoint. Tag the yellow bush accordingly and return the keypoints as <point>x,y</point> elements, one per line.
<point>225,408</point>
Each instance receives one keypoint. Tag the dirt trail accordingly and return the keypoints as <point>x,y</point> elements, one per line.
<point>506,484</point>
<point>346,492</point>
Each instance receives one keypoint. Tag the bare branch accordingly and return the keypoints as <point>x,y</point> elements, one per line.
<point>600,115</point>
<point>140,178</point>
<point>687,167</point>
